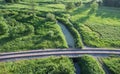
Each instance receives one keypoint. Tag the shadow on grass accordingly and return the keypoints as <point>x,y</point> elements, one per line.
<point>85,18</point>
<point>107,12</point>
<point>5,40</point>
<point>80,10</point>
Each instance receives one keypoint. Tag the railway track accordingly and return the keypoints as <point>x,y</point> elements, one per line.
<point>56,52</point>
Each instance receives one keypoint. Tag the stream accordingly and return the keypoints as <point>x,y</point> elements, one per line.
<point>69,38</point>
<point>70,41</point>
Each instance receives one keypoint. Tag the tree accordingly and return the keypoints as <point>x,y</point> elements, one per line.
<point>69,6</point>
<point>50,17</point>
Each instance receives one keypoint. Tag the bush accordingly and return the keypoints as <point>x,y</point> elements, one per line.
<point>69,5</point>
<point>3,27</point>
<point>89,65</point>
<point>50,17</point>
<point>94,7</point>
<point>78,3</point>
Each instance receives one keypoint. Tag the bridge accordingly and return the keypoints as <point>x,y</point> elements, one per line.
<point>72,53</point>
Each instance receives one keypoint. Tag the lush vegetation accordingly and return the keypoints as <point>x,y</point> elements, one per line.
<point>113,64</point>
<point>32,25</point>
<point>21,30</point>
<point>51,65</point>
<point>89,65</point>
<point>98,28</point>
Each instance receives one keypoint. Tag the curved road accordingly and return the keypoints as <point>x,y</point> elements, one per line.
<point>56,52</point>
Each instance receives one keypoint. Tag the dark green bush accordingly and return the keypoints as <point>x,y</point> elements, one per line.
<point>69,5</point>
<point>3,27</point>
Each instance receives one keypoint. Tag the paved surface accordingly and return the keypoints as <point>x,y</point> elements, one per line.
<point>56,52</point>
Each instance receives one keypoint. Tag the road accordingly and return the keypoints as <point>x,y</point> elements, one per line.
<point>56,52</point>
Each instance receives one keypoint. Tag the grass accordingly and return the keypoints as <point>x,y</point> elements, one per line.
<point>51,65</point>
<point>113,64</point>
<point>89,65</point>
<point>99,29</point>
<point>37,36</point>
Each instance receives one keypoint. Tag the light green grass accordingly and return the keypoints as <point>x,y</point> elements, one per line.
<point>89,65</point>
<point>99,29</point>
<point>51,65</point>
<point>21,39</point>
<point>113,64</point>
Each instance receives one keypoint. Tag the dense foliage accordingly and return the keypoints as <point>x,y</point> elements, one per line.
<point>113,64</point>
<point>23,31</point>
<point>89,65</point>
<point>50,65</point>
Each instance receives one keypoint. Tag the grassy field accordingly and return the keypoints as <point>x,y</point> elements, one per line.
<point>113,64</point>
<point>29,32</point>
<point>51,65</point>
<point>100,28</point>
<point>97,29</point>
<point>89,65</point>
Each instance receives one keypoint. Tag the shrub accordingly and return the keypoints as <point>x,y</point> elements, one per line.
<point>78,3</point>
<point>69,5</point>
<point>94,7</point>
<point>3,27</point>
<point>50,17</point>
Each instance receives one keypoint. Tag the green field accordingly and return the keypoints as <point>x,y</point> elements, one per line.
<point>100,28</point>
<point>113,64</point>
<point>89,65</point>
<point>29,32</point>
<point>51,65</point>
<point>26,31</point>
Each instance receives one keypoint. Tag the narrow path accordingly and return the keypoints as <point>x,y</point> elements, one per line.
<point>68,36</point>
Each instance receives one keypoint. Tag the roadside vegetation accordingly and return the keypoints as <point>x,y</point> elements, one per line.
<point>112,64</point>
<point>31,24</point>
<point>89,65</point>
<point>51,65</point>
